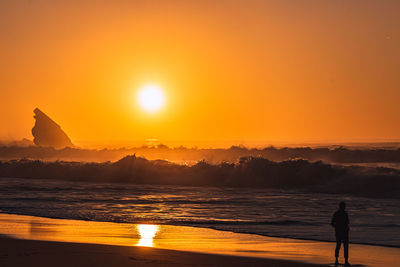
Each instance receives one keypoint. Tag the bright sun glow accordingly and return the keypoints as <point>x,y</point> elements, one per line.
<point>151,98</point>
<point>147,233</point>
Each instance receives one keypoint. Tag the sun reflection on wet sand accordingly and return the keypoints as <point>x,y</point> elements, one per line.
<point>147,233</point>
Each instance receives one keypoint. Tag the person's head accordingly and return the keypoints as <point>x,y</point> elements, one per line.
<point>342,205</point>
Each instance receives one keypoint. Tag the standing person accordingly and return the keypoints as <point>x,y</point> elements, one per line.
<point>340,221</point>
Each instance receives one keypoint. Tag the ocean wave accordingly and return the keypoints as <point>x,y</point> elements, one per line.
<point>249,172</point>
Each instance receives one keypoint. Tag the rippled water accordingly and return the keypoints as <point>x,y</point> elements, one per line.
<point>258,211</point>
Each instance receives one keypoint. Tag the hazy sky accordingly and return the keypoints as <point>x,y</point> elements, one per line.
<point>232,71</point>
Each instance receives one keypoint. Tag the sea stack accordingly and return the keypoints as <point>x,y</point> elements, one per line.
<point>48,133</point>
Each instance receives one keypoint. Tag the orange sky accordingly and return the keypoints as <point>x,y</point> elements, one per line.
<point>251,72</point>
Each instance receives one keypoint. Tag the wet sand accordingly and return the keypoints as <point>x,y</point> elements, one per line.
<point>120,244</point>
<point>17,252</point>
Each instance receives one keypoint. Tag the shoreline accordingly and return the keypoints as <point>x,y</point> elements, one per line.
<point>189,239</point>
<point>213,228</point>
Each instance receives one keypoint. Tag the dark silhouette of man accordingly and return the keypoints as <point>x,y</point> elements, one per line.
<point>340,221</point>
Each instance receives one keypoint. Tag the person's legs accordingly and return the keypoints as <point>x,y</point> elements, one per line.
<point>337,249</point>
<point>346,250</point>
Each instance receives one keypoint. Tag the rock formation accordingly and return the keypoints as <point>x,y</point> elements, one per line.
<point>48,133</point>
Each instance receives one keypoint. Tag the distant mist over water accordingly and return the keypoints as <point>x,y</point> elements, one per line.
<point>357,153</point>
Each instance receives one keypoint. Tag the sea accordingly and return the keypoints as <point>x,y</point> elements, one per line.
<point>277,213</point>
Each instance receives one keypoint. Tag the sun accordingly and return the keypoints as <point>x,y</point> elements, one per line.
<point>151,98</point>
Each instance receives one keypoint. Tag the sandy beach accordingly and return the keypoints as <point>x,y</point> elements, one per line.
<point>16,252</point>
